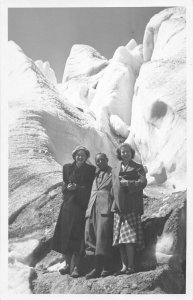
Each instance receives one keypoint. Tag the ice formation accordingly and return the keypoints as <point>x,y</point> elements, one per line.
<point>158,125</point>
<point>47,71</point>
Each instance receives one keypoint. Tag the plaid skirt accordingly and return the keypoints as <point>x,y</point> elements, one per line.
<point>128,229</point>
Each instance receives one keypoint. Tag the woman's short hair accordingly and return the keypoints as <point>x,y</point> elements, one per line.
<point>78,148</point>
<point>101,153</point>
<point>118,151</point>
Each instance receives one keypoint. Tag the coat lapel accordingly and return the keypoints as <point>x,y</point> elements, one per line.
<point>108,176</point>
<point>116,182</point>
<point>94,185</point>
<point>118,169</point>
<point>116,186</point>
<point>71,172</point>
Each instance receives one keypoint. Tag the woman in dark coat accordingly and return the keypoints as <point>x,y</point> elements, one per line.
<point>69,232</point>
<point>128,180</point>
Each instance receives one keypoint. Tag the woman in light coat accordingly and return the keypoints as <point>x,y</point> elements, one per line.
<point>99,219</point>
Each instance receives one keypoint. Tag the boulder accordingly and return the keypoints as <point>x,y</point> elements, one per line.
<point>20,276</point>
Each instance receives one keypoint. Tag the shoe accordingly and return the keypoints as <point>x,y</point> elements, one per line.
<point>93,274</point>
<point>75,273</point>
<point>65,270</point>
<point>120,272</point>
<point>105,273</point>
<point>130,271</point>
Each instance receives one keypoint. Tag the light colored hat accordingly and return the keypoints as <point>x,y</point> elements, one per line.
<point>78,148</point>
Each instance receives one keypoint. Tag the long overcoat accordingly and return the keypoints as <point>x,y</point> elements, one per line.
<point>129,198</point>
<point>69,230</point>
<point>99,218</point>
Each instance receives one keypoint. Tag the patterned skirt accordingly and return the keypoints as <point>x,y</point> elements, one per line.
<point>128,229</point>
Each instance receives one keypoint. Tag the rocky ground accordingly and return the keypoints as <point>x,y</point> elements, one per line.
<point>160,268</point>
<point>162,280</point>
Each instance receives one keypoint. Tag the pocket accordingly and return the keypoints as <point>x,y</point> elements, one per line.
<point>106,205</point>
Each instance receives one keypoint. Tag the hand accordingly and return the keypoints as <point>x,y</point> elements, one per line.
<point>123,182</point>
<point>71,186</point>
<point>64,186</point>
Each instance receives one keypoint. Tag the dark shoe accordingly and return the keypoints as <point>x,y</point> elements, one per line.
<point>93,274</point>
<point>120,272</point>
<point>105,273</point>
<point>65,270</point>
<point>75,273</point>
<point>130,271</point>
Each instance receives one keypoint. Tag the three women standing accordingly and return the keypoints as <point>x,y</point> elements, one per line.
<point>128,182</point>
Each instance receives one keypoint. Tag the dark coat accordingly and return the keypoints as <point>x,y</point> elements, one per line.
<point>99,218</point>
<point>69,230</point>
<point>130,198</point>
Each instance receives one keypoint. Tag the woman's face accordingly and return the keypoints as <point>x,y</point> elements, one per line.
<point>126,154</point>
<point>80,157</point>
<point>101,161</point>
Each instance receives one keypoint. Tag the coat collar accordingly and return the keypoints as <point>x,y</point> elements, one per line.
<point>108,174</point>
<point>74,166</point>
<point>131,166</point>
<point>108,170</point>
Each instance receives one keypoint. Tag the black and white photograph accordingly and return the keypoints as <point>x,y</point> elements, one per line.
<point>96,156</point>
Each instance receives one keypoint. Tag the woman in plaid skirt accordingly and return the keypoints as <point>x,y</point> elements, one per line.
<point>129,180</point>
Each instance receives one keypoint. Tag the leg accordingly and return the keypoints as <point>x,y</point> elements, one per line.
<point>75,260</point>
<point>68,258</point>
<point>66,269</point>
<point>96,272</point>
<point>130,257</point>
<point>75,264</point>
<point>94,236</point>
<point>90,237</point>
<point>107,266</point>
<point>104,235</point>
<point>123,255</point>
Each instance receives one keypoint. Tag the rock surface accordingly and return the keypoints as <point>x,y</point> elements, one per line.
<point>45,125</point>
<point>160,266</point>
<point>162,280</point>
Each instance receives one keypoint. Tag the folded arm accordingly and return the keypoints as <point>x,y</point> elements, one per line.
<point>138,184</point>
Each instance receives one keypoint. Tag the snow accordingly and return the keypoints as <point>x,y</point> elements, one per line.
<point>114,91</point>
<point>48,72</point>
